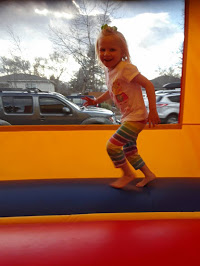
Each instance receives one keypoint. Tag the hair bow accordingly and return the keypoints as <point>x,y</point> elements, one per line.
<point>105,26</point>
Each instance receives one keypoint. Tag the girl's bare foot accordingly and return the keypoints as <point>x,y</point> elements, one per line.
<point>145,181</point>
<point>122,181</point>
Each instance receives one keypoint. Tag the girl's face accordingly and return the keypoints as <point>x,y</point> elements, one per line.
<point>110,51</point>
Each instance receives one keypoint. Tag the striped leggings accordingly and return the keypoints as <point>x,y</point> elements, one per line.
<point>122,145</point>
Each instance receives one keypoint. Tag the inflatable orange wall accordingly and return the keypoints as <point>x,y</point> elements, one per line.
<point>79,152</point>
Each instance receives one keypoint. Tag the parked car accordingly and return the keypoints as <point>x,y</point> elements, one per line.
<point>168,91</point>
<point>33,107</point>
<point>168,107</point>
<point>172,85</point>
<point>78,99</point>
<point>167,102</point>
<point>4,123</point>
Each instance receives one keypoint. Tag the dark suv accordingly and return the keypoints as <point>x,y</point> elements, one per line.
<point>48,108</point>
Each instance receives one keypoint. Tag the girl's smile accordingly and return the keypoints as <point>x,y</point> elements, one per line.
<point>110,51</point>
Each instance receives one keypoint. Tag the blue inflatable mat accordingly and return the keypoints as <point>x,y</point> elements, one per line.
<point>82,196</point>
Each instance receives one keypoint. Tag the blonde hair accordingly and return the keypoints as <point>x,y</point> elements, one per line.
<point>112,31</point>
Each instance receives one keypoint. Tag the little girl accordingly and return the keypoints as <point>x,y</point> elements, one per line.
<point>124,83</point>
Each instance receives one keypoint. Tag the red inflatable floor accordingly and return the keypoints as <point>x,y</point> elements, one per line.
<point>149,242</point>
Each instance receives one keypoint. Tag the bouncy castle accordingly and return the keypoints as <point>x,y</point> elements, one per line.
<point>57,207</point>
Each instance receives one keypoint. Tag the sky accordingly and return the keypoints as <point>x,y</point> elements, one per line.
<point>154,30</point>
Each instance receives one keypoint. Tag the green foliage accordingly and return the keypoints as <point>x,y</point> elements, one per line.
<point>106,106</point>
<point>14,65</point>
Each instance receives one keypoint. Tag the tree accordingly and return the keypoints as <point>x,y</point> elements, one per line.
<point>179,64</point>
<point>77,40</point>
<point>39,66</point>
<point>55,64</point>
<point>16,62</point>
<point>14,65</point>
<point>171,72</point>
<point>176,69</point>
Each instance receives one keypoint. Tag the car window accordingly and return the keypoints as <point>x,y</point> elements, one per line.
<point>158,98</point>
<point>50,105</point>
<point>78,99</point>
<point>16,104</point>
<point>175,99</point>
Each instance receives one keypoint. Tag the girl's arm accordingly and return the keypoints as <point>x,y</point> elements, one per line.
<point>105,96</point>
<point>145,83</point>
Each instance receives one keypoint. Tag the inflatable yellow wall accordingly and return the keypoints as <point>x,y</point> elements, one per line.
<point>79,152</point>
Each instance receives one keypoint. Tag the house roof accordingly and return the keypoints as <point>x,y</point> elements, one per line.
<point>22,77</point>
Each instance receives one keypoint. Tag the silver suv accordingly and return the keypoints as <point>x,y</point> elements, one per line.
<point>168,107</point>
<point>45,108</point>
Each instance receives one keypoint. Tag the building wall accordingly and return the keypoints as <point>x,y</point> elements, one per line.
<point>74,152</point>
<point>46,87</point>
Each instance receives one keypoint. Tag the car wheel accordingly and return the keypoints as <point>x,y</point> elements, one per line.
<point>172,119</point>
<point>4,123</point>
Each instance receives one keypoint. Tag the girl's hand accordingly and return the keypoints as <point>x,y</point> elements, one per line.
<point>89,101</point>
<point>153,118</point>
